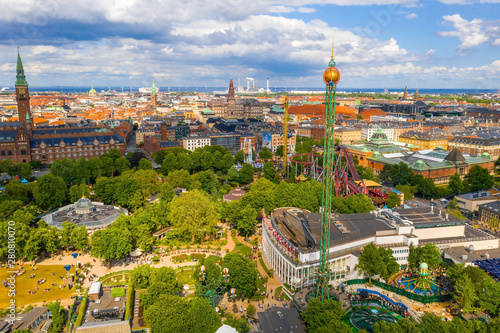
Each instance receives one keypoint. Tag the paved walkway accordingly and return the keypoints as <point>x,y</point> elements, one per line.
<point>99,268</point>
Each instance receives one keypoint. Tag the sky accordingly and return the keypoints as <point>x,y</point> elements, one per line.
<point>378,43</point>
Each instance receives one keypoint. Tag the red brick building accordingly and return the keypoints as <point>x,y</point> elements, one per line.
<point>22,141</point>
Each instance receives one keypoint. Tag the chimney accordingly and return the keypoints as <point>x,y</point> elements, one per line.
<point>164,131</point>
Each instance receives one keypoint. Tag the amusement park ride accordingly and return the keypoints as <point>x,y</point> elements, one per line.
<point>214,290</point>
<point>338,174</point>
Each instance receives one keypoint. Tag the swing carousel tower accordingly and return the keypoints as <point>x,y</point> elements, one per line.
<point>331,77</point>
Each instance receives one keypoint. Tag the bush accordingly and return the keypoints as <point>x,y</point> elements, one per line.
<point>155,258</point>
<point>129,307</point>
<point>83,309</point>
<point>117,292</point>
<point>197,256</point>
<point>179,257</point>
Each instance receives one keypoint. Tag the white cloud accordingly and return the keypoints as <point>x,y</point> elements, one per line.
<point>163,12</point>
<point>411,16</point>
<point>470,33</point>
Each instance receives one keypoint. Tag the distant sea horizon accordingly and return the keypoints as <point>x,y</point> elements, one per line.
<point>200,89</point>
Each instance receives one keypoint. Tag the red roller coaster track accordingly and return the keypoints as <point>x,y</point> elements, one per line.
<point>347,180</point>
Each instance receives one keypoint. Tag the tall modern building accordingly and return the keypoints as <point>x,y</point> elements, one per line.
<point>22,142</point>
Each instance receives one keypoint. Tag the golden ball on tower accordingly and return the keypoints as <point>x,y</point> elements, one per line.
<point>331,75</point>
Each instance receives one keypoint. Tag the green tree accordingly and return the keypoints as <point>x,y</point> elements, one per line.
<point>17,191</point>
<point>479,179</point>
<point>169,314</point>
<point>261,195</point>
<point>202,317</point>
<point>239,157</point>
<point>242,274</point>
<point>453,204</point>
<point>67,234</point>
<point>8,207</point>
<point>279,151</point>
<point>167,193</point>
<point>82,171</point>
<point>105,188</point>
<point>232,175</point>
<point>145,164</point>
<point>179,178</point>
<point>238,323</point>
<point>111,243</point>
<point>125,189</point>
<point>455,185</point>
<point>194,214</point>
<point>269,171</point>
<point>24,170</point>
<point>78,191</point>
<point>429,253</point>
<point>265,154</point>
<point>80,238</point>
<point>370,262</point>
<point>246,174</point>
<point>245,218</point>
<point>323,317</point>
<point>251,310</point>
<point>465,294</point>
<point>391,265</point>
<point>408,190</point>
<point>7,166</point>
<point>121,164</point>
<point>392,200</point>
<point>51,191</point>
<point>493,222</point>
<point>490,298</point>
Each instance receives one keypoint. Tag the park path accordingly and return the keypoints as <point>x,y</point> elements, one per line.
<point>99,269</point>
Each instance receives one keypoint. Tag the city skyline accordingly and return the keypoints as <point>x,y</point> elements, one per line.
<point>378,43</point>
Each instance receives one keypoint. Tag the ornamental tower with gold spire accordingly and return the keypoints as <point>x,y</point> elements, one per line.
<point>331,77</point>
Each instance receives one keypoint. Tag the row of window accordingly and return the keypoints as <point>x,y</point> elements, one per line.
<point>70,155</point>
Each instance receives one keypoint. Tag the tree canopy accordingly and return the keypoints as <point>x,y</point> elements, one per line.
<point>194,214</point>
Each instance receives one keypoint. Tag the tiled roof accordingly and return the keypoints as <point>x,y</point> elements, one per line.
<point>8,136</point>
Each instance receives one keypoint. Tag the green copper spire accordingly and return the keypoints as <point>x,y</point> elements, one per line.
<point>28,120</point>
<point>21,78</point>
<point>153,88</point>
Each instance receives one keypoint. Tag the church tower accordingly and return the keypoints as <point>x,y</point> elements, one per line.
<point>154,100</point>
<point>231,102</point>
<point>22,94</point>
<point>405,96</point>
<point>231,89</point>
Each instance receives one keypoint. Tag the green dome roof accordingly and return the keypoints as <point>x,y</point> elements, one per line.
<point>439,148</point>
<point>376,154</point>
<point>379,135</point>
<point>485,155</point>
<point>83,203</point>
<point>418,164</point>
<point>423,266</point>
<point>92,90</point>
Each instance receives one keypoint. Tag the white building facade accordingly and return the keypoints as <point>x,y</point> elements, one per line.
<point>193,142</point>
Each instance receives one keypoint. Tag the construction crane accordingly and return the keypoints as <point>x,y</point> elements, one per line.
<point>285,134</point>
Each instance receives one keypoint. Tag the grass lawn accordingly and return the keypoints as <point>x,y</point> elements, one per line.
<point>24,284</point>
<point>243,249</point>
<point>277,294</point>
<point>186,277</point>
<point>117,292</point>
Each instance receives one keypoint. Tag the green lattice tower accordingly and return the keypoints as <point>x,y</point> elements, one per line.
<point>331,77</point>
